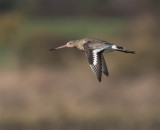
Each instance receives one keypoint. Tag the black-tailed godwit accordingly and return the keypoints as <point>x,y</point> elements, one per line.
<point>93,49</point>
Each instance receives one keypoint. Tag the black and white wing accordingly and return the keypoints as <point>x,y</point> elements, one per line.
<point>95,60</point>
<point>104,67</point>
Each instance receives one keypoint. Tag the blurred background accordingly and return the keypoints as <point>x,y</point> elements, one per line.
<point>57,90</point>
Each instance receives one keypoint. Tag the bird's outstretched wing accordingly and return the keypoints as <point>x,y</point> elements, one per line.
<point>95,60</point>
<point>104,66</point>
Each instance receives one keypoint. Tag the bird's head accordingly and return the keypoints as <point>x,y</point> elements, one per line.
<point>71,44</point>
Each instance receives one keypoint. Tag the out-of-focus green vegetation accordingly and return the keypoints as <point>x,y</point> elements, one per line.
<point>57,90</point>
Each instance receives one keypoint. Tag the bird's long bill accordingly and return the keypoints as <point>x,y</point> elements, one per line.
<point>60,47</point>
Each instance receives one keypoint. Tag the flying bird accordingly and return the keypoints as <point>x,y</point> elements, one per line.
<point>94,49</point>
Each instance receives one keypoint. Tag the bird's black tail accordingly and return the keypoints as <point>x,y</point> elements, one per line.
<point>119,48</point>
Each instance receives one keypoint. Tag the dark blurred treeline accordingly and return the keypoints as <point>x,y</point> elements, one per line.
<point>87,7</point>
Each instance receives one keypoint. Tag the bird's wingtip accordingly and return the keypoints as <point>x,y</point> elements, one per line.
<point>99,80</point>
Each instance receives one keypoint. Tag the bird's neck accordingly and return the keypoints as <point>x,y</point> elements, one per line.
<point>80,47</point>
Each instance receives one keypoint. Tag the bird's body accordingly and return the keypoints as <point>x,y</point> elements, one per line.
<point>93,49</point>
<point>92,43</point>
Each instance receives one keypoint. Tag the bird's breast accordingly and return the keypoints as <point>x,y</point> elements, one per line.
<point>80,47</point>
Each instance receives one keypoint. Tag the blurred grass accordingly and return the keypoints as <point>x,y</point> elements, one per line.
<point>41,98</point>
<point>78,27</point>
<point>34,35</point>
